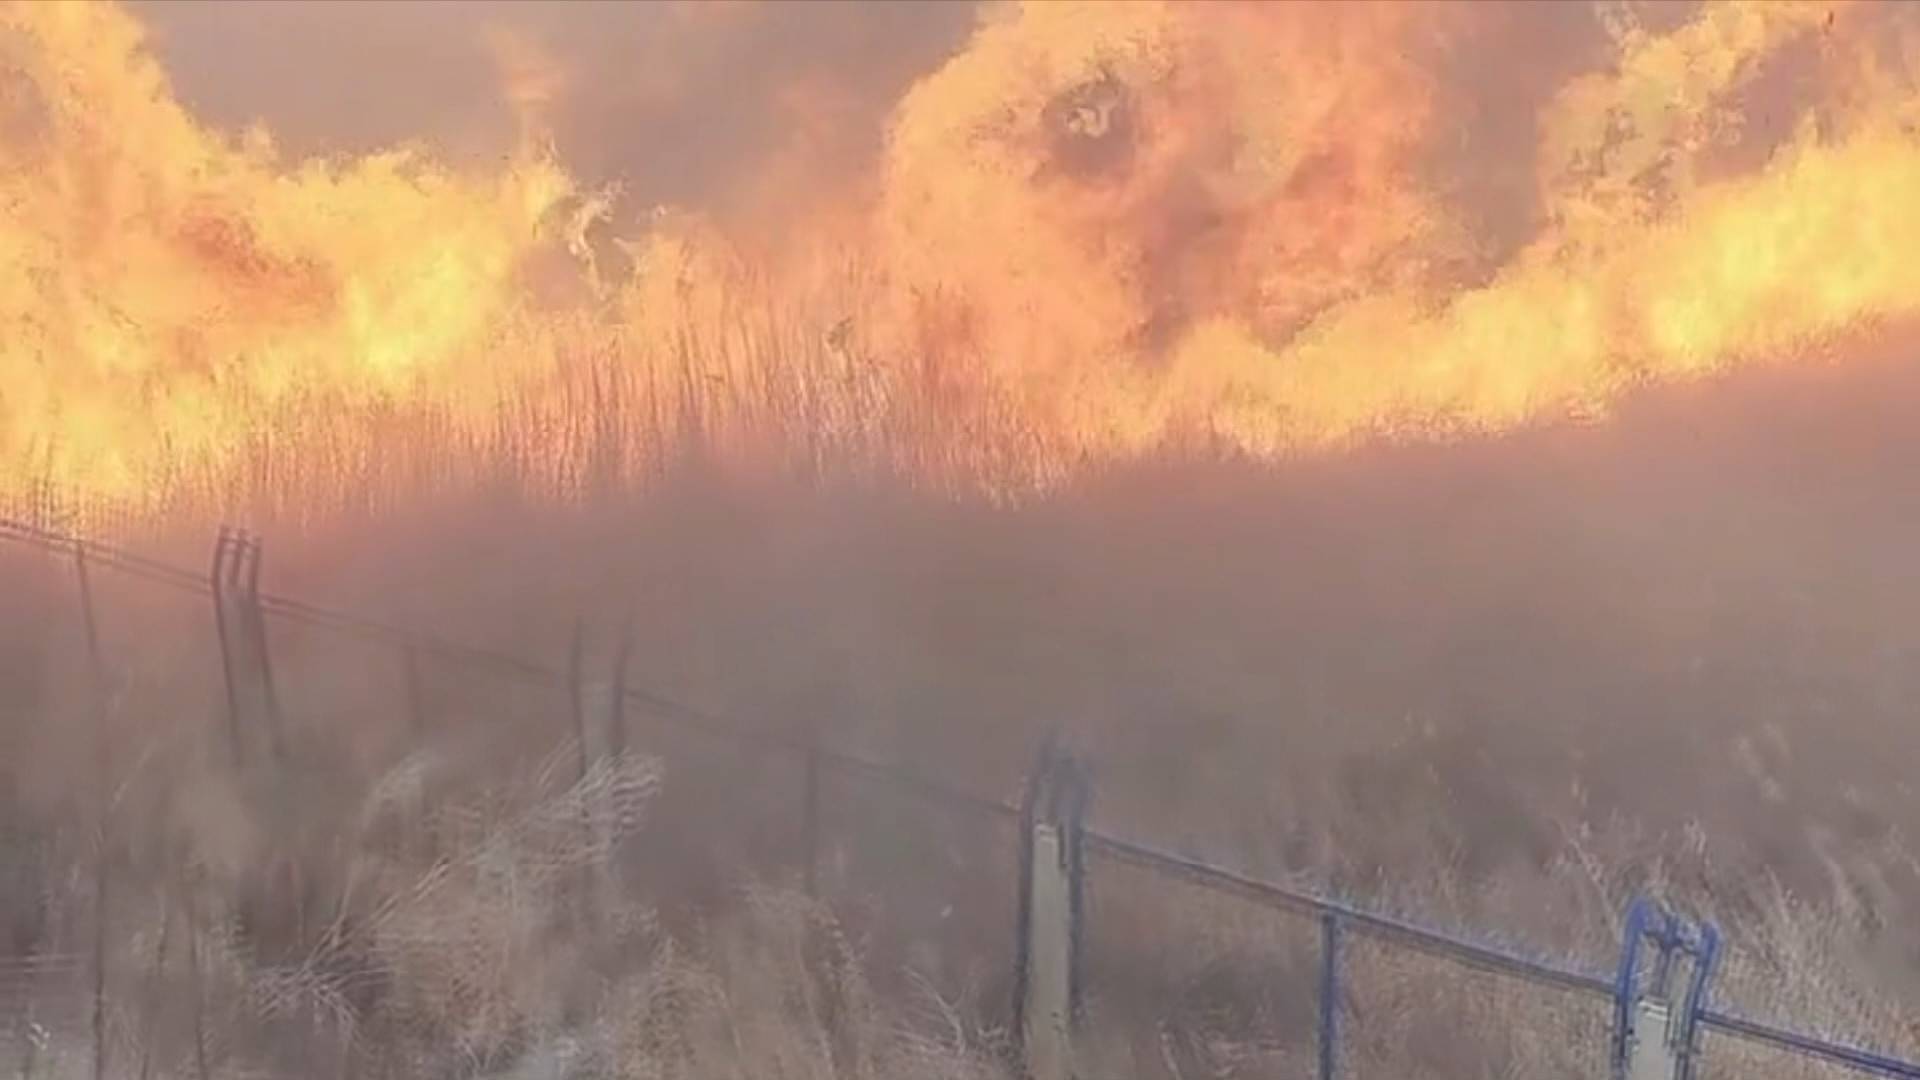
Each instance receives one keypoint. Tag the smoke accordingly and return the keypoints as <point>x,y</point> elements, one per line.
<point>682,103</point>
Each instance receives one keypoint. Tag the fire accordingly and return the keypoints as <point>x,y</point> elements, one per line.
<point>168,289</point>
<point>1097,228</point>
<point>1336,301</point>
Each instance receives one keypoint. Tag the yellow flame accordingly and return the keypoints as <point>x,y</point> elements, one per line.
<point>1096,228</point>
<point>166,288</point>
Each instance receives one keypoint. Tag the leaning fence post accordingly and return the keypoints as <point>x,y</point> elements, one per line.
<point>1046,995</point>
<point>1656,1023</point>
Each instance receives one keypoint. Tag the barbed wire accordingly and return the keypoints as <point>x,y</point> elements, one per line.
<point>1196,871</point>
<point>104,554</point>
<point>656,705</point>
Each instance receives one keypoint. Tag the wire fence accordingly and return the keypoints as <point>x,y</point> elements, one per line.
<point>1362,991</point>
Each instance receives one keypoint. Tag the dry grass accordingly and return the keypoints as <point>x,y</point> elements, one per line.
<point>777,389</point>
<point>500,935</point>
<point>1496,688</point>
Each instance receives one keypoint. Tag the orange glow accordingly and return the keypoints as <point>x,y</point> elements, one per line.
<point>1097,228</point>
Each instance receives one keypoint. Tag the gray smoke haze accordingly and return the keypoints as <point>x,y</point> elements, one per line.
<point>679,102</point>
<point>690,104</point>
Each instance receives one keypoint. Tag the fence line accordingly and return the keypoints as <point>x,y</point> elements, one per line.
<point>1268,894</point>
<point>1850,1057</point>
<point>1042,809</point>
<point>527,671</point>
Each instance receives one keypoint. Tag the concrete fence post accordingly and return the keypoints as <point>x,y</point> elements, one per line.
<point>1052,889</point>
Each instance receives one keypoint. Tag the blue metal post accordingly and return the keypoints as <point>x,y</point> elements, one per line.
<point>1705,948</point>
<point>1626,983</point>
<point>1647,996</point>
<point>1329,994</point>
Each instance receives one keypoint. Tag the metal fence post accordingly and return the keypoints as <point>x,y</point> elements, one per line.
<point>1656,1023</point>
<point>96,668</point>
<point>577,708</point>
<point>218,577</point>
<point>150,992</point>
<point>101,912</point>
<point>810,809</point>
<point>256,623</point>
<point>196,987</point>
<point>613,747</point>
<point>577,694</point>
<point>617,702</point>
<point>246,662</point>
<point>1329,995</point>
<point>1046,997</point>
<point>416,696</point>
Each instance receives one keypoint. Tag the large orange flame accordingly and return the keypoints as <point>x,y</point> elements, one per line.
<point>1097,228</point>
<point>167,289</point>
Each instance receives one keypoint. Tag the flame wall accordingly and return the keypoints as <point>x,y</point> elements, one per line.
<point>1091,230</point>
